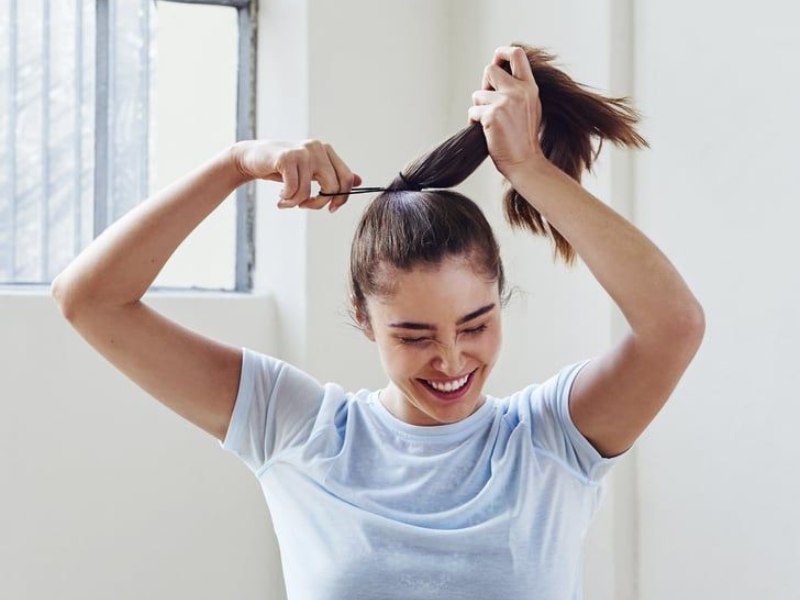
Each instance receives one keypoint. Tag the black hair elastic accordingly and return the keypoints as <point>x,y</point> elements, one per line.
<point>355,190</point>
<point>410,185</point>
<point>363,190</point>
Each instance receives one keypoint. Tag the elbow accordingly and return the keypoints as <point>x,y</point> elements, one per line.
<point>685,326</point>
<point>696,321</point>
<point>63,297</point>
<point>690,324</point>
<point>57,293</point>
<point>55,288</point>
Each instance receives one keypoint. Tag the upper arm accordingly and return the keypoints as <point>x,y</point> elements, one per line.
<point>619,393</point>
<point>193,375</point>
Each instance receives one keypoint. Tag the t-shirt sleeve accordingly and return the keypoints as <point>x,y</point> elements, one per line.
<point>275,409</point>
<point>554,431</point>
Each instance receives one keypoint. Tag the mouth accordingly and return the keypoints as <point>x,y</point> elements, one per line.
<point>450,396</point>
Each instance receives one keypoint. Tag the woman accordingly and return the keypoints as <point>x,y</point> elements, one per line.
<point>427,488</point>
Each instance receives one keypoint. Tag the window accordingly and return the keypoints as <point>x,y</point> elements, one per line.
<point>102,103</point>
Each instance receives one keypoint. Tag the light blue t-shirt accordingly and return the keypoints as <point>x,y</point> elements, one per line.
<point>366,506</point>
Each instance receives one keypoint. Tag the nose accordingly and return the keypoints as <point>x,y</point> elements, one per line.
<point>450,360</point>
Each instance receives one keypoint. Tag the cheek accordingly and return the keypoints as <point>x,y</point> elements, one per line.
<point>490,345</point>
<point>399,361</point>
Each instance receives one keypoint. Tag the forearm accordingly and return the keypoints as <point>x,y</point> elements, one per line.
<point>121,263</point>
<point>648,289</point>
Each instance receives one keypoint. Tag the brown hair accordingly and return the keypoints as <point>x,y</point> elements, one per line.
<point>403,228</point>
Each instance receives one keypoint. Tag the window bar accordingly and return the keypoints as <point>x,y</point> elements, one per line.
<point>144,97</point>
<point>12,137</point>
<point>78,126</point>
<point>45,224</point>
<point>233,3</point>
<point>245,129</point>
<point>112,112</point>
<point>102,88</point>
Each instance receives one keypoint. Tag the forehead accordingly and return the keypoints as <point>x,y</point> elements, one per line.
<point>440,294</point>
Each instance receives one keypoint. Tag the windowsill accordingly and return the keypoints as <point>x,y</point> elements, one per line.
<point>43,289</point>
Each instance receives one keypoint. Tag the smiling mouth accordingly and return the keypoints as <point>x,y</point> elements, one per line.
<point>454,395</point>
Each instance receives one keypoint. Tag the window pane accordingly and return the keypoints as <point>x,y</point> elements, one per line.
<point>26,212</point>
<point>129,100</point>
<point>195,112</point>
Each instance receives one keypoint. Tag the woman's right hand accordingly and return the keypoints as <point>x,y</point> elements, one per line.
<point>296,164</point>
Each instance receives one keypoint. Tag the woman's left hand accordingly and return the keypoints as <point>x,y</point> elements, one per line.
<point>509,110</point>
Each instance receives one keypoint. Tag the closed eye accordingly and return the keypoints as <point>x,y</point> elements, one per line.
<point>420,340</point>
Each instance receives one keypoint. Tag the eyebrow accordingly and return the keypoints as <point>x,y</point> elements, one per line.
<point>466,318</point>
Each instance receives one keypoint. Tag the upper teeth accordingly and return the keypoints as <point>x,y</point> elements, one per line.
<point>450,385</point>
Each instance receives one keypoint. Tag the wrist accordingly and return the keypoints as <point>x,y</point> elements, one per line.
<point>234,156</point>
<point>537,164</point>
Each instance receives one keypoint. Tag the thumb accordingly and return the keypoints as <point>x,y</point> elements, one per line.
<point>357,181</point>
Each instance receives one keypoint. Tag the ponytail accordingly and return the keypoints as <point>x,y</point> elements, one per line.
<point>571,117</point>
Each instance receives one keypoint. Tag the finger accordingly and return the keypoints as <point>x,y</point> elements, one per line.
<point>495,77</point>
<point>485,97</point>
<point>477,114</point>
<point>290,180</point>
<point>303,190</point>
<point>328,183</point>
<point>520,65</point>
<point>498,78</point>
<point>346,179</point>
<point>485,84</point>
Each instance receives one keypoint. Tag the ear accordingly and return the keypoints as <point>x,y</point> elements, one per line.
<point>363,320</point>
<point>369,333</point>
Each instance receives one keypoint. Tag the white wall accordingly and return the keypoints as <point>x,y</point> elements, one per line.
<point>719,498</point>
<point>106,493</point>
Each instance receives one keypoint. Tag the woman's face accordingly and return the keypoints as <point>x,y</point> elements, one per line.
<point>441,324</point>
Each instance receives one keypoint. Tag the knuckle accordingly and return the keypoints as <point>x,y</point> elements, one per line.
<point>312,144</point>
<point>294,155</point>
